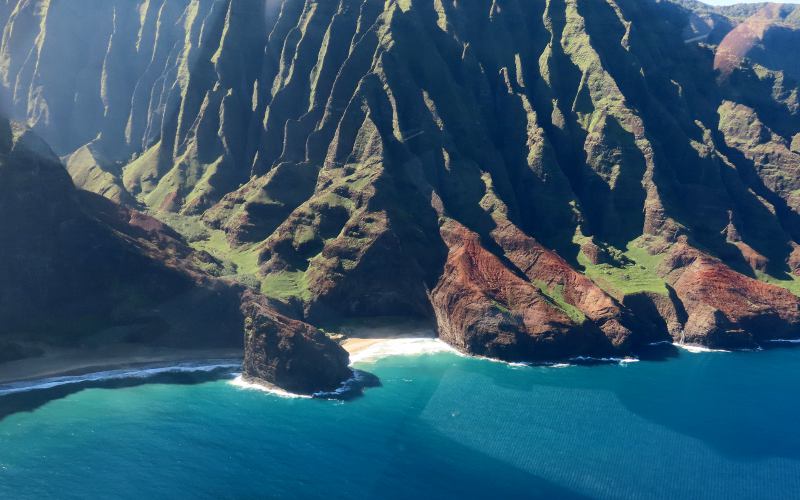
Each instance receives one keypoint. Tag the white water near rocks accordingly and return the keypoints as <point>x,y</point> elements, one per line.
<point>241,383</point>
<point>697,349</point>
<point>379,350</point>
<point>401,347</point>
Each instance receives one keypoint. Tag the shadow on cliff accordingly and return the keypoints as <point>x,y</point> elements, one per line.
<point>687,196</point>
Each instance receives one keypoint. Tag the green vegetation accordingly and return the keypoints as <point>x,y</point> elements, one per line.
<point>140,175</point>
<point>285,285</point>
<point>240,263</point>
<point>500,307</point>
<point>304,235</point>
<point>635,270</point>
<point>91,172</point>
<point>792,283</point>
<point>244,258</point>
<point>556,296</point>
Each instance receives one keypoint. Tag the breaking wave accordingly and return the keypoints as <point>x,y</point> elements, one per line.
<point>223,366</point>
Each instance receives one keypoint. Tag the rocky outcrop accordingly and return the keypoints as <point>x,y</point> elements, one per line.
<point>771,156</point>
<point>483,308</point>
<point>726,308</point>
<point>290,354</point>
<point>554,275</point>
<point>664,313</point>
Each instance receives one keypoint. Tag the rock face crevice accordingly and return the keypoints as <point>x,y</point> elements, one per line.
<point>409,157</point>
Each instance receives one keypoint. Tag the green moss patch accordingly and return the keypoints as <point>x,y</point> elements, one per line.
<point>636,272</point>
<point>791,283</point>
<point>240,263</point>
<point>285,285</point>
<point>556,296</point>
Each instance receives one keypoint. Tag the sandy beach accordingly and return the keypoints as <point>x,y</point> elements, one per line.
<point>371,341</point>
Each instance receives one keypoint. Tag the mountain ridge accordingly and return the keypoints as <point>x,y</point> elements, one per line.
<point>552,179</point>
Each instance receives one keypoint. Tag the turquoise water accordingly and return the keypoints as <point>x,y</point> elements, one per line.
<point>716,425</point>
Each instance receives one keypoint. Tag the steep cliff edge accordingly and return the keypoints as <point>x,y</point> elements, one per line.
<point>725,308</point>
<point>767,38</point>
<point>290,354</point>
<point>523,172</point>
<point>78,270</point>
<point>483,308</point>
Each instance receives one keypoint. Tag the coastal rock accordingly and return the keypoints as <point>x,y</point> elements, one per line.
<point>484,308</point>
<point>554,275</point>
<point>290,354</point>
<point>665,314</point>
<point>726,308</point>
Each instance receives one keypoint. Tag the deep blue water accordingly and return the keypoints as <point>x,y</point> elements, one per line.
<point>716,425</point>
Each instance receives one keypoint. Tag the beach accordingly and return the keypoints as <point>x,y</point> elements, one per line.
<point>372,340</point>
<point>365,341</point>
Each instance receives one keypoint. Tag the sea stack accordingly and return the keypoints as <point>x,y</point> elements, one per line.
<point>290,354</point>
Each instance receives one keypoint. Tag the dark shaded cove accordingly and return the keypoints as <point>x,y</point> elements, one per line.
<point>31,400</point>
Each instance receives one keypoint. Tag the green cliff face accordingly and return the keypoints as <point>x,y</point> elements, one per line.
<point>366,157</point>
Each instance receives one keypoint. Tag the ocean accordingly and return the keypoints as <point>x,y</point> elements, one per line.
<point>682,425</point>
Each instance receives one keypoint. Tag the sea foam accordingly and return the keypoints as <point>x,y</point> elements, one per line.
<point>118,374</point>
<point>426,345</point>
<point>348,389</point>
<point>697,349</point>
<point>589,359</point>
<point>241,383</point>
<point>401,347</point>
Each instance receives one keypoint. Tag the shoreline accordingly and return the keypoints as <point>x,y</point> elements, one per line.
<point>73,366</point>
<point>365,346</point>
<point>367,350</point>
<point>57,363</point>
